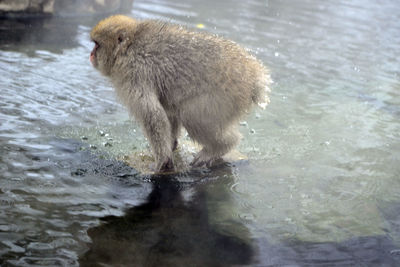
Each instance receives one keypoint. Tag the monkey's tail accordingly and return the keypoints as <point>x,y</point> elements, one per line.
<point>261,90</point>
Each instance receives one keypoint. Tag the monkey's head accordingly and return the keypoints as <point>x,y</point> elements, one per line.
<point>111,38</point>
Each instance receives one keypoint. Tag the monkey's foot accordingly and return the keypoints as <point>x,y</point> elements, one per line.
<point>143,161</point>
<point>201,160</point>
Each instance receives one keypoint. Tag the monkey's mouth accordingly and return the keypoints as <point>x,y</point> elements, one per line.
<point>92,57</point>
<point>93,60</point>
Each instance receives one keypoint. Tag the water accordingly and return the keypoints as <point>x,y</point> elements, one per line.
<point>321,186</point>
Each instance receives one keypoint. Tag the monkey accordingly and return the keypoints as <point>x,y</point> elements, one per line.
<point>170,77</point>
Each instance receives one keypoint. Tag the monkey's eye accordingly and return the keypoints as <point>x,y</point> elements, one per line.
<point>96,44</point>
<point>120,39</point>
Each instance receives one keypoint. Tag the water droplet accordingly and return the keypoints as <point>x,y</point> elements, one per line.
<point>305,212</point>
<point>93,146</point>
<point>252,131</point>
<point>289,220</point>
<point>247,216</point>
<point>107,144</point>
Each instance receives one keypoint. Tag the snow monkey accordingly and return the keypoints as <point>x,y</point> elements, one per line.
<point>169,77</point>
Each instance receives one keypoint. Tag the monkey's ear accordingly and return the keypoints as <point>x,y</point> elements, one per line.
<point>120,38</point>
<point>122,41</point>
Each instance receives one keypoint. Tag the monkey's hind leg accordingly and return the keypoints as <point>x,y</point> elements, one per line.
<point>215,145</point>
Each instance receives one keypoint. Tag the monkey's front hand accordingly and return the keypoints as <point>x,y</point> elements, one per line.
<point>144,105</point>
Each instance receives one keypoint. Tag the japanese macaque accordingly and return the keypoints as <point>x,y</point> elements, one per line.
<point>169,77</point>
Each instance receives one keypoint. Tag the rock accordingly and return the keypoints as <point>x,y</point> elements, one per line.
<point>17,8</point>
<point>27,6</point>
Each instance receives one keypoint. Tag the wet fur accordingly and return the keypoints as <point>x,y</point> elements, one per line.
<point>169,77</point>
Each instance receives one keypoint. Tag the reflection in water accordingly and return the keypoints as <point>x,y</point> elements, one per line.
<point>53,34</point>
<point>172,228</point>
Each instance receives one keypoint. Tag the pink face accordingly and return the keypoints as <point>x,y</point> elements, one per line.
<point>93,54</point>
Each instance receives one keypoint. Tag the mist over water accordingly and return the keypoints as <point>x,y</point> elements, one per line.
<point>321,185</point>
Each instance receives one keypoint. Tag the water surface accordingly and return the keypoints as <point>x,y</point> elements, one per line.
<point>321,183</point>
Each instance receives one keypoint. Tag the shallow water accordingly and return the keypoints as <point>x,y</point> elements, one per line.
<point>321,185</point>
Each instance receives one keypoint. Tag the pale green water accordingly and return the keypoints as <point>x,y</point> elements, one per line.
<point>322,183</point>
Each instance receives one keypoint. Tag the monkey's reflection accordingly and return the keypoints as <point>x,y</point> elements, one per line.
<point>169,230</point>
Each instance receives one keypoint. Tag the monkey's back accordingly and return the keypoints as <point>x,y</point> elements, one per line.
<point>185,64</point>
